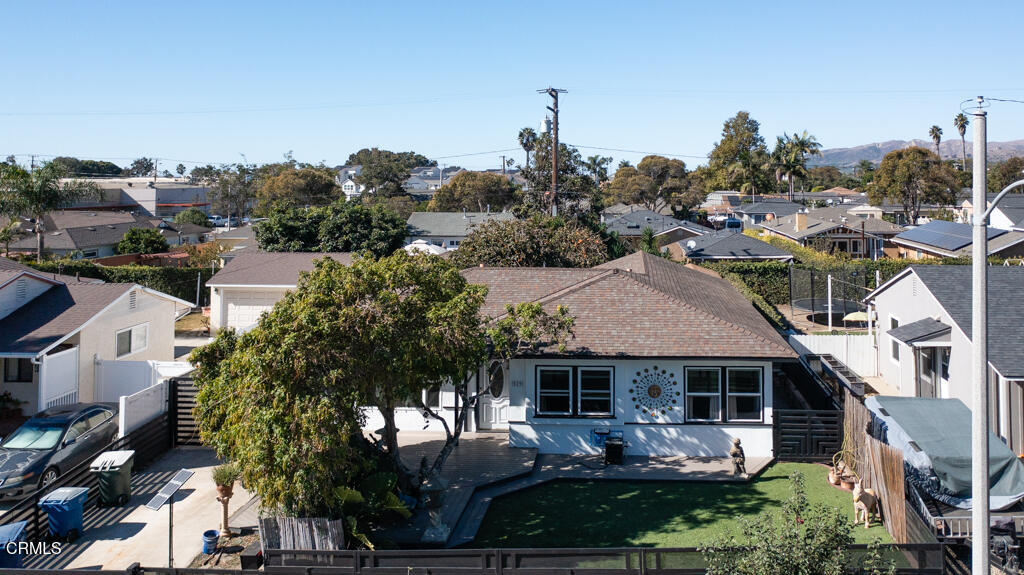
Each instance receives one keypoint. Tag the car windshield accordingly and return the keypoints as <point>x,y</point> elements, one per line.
<point>34,435</point>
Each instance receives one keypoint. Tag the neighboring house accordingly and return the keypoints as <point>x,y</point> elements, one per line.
<point>158,197</point>
<point>924,339</point>
<point>53,329</point>
<point>96,234</point>
<point>428,178</point>
<point>252,282</point>
<point>448,229</point>
<point>347,180</point>
<point>631,226</point>
<point>755,214</point>
<point>875,226</point>
<point>1008,215</point>
<point>726,245</point>
<point>235,242</point>
<point>846,235</point>
<point>672,357</point>
<point>942,239</point>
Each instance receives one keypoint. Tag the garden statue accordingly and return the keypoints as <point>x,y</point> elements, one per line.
<point>225,476</point>
<point>432,496</point>
<point>739,460</point>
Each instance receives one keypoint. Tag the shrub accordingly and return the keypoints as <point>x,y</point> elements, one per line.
<point>178,282</point>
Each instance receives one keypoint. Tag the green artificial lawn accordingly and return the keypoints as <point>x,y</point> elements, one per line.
<point>611,513</point>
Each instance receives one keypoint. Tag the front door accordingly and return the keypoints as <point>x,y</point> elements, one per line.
<point>926,373</point>
<point>494,403</point>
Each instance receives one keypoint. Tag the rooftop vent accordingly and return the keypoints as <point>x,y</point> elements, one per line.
<point>91,229</point>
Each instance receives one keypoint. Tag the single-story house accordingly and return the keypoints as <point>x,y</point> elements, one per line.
<point>448,229</point>
<point>757,213</point>
<point>54,328</point>
<point>847,235</point>
<point>924,344</point>
<point>942,239</point>
<point>252,282</point>
<point>726,245</point>
<point>672,357</point>
<point>631,225</point>
<point>236,241</point>
<point>96,234</point>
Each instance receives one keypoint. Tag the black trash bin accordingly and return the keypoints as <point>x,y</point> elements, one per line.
<point>613,448</point>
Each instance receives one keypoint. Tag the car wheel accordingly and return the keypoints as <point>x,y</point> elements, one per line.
<point>49,476</point>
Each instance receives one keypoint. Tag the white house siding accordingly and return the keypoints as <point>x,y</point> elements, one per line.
<point>241,307</point>
<point>644,435</point>
<point>98,339</point>
<point>29,288</point>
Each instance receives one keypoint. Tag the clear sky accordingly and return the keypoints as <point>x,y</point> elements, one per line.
<point>208,81</point>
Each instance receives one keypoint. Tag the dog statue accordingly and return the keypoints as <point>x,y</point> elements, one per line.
<point>865,502</point>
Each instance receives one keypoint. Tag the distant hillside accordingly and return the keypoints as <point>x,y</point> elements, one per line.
<point>950,149</point>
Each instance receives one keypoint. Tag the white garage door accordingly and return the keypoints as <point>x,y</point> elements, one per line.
<point>245,307</point>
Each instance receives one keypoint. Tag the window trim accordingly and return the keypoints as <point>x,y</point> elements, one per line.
<point>18,377</point>
<point>759,394</point>
<point>574,393</point>
<point>579,394</point>
<point>131,340</point>
<point>893,340</point>
<point>563,369</point>
<point>687,394</point>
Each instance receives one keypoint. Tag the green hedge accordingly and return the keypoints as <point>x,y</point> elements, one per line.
<point>768,310</point>
<point>178,282</point>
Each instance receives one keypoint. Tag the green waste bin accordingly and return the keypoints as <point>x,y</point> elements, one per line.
<point>114,471</point>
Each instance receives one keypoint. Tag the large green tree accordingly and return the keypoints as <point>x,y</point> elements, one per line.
<point>527,141</point>
<point>538,241</point>
<point>789,158</point>
<point>575,188</point>
<point>141,167</point>
<point>911,177</point>
<point>233,187</point>
<point>474,191</point>
<point>737,158</point>
<point>340,227</point>
<point>656,182</point>
<point>299,187</point>
<point>1005,173</point>
<point>192,216</point>
<point>143,241</point>
<point>76,167</point>
<point>35,193</point>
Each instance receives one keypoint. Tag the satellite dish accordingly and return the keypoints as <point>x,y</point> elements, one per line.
<point>691,245</point>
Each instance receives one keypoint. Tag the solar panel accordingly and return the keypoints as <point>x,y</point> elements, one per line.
<point>950,236</point>
<point>168,490</point>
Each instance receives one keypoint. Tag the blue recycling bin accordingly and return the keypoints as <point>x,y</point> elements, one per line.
<point>12,533</point>
<point>65,506</point>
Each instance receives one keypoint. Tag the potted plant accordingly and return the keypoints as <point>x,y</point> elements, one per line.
<point>9,405</point>
<point>225,476</point>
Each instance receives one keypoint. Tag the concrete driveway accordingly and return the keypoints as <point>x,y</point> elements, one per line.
<point>114,538</point>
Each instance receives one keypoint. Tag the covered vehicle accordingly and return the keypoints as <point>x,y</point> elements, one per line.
<point>935,438</point>
<point>53,442</point>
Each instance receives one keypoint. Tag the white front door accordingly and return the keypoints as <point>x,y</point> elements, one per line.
<point>494,404</point>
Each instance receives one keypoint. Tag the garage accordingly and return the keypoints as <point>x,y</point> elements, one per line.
<point>244,307</point>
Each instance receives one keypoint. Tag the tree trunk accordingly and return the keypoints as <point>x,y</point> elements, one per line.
<point>790,178</point>
<point>407,480</point>
<point>39,241</point>
<point>963,154</point>
<point>460,423</point>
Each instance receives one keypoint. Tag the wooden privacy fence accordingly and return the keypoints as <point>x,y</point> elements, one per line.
<point>807,435</point>
<point>182,394</point>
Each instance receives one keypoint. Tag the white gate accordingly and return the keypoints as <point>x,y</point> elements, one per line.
<point>141,407</point>
<point>58,379</point>
<point>115,379</point>
<point>856,351</point>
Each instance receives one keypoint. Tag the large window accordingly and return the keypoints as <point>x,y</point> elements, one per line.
<point>703,394</point>
<point>739,390</point>
<point>132,340</point>
<point>893,324</point>
<point>744,393</point>
<point>575,391</point>
<point>17,369</point>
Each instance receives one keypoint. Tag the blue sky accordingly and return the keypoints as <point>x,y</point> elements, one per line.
<point>208,81</point>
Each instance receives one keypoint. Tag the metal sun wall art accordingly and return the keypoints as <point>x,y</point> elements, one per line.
<point>655,391</point>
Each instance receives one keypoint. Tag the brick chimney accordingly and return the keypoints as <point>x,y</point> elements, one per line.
<point>799,222</point>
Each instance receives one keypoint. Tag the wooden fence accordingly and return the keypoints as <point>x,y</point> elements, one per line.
<point>182,395</point>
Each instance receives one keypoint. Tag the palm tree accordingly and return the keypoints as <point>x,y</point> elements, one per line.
<point>598,166</point>
<point>40,191</point>
<point>960,122</point>
<point>528,141</point>
<point>793,158</point>
<point>9,233</point>
<point>936,133</point>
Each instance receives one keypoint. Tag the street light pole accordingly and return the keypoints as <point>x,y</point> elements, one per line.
<point>979,355</point>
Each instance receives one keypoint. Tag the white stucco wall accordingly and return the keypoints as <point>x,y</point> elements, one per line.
<point>667,434</point>
<point>9,293</point>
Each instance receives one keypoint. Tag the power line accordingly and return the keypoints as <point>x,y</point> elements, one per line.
<point>704,157</point>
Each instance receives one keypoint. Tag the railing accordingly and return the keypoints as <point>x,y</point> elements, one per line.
<point>149,442</point>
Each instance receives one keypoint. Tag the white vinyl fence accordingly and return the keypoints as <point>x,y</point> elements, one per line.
<point>118,378</point>
<point>856,351</point>
<point>141,407</point>
<point>58,379</point>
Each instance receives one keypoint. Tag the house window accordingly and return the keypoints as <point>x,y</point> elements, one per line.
<point>18,369</point>
<point>595,391</point>
<point>703,394</point>
<point>453,243</point>
<point>944,361</point>
<point>895,344</point>
<point>744,394</point>
<point>554,391</point>
<point>132,340</point>
<point>90,254</point>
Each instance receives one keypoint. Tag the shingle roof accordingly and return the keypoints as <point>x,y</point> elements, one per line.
<point>640,306</point>
<point>450,224</point>
<point>779,208</point>
<point>731,245</point>
<point>871,225</point>
<point>6,264</point>
<point>926,328</point>
<point>270,268</point>
<point>633,223</point>
<point>951,285</point>
<point>54,314</point>
<point>787,226</point>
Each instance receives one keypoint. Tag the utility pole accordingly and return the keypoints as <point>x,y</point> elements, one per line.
<point>32,163</point>
<point>979,354</point>
<point>503,164</point>
<point>554,92</point>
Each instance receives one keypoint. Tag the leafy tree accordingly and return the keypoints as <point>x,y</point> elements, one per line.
<point>738,157</point>
<point>598,167</point>
<point>649,242</point>
<point>10,232</point>
<point>789,158</point>
<point>960,122</point>
<point>181,169</point>
<point>474,191</point>
<point>299,187</point>
<point>911,177</point>
<point>935,133</point>
<point>192,216</point>
<point>340,227</point>
<point>43,190</point>
<point>141,167</point>
<point>76,167</point>
<point>202,255</point>
<point>802,539</point>
<point>11,160</point>
<point>865,171</point>
<point>533,242</point>
<point>527,141</point>
<point>408,160</point>
<point>1005,173</point>
<point>143,241</point>
<point>575,189</point>
<point>232,187</point>
<point>655,182</point>
<point>204,174</point>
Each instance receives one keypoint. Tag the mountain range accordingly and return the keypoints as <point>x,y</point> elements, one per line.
<point>845,158</point>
